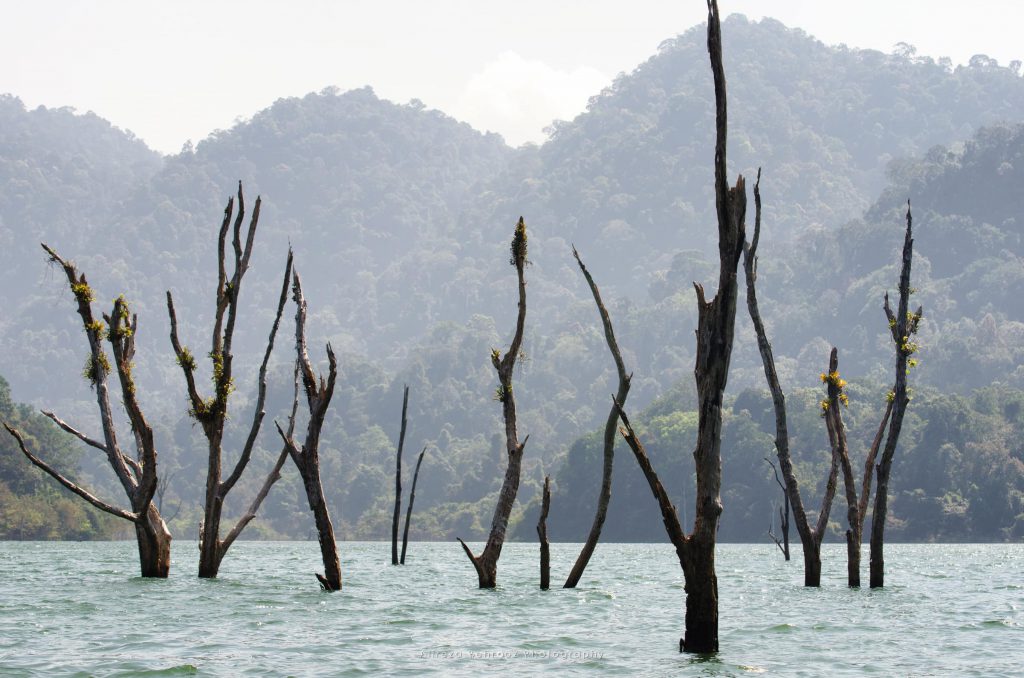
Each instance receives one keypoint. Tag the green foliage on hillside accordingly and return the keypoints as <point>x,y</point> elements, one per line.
<point>399,217</point>
<point>32,505</point>
<point>958,476</point>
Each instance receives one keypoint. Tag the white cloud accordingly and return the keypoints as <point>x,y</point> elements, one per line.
<point>518,98</point>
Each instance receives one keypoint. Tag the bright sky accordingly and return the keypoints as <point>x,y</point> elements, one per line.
<point>175,70</point>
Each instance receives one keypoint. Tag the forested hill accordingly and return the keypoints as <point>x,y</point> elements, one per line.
<point>401,216</point>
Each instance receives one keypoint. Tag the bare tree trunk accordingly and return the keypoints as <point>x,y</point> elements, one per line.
<point>810,535</point>
<point>307,458</point>
<point>542,533</point>
<point>486,564</point>
<point>408,511</point>
<point>212,413</point>
<point>154,544</point>
<point>398,480</point>
<point>835,400</point>
<point>605,494</point>
<point>855,531</point>
<point>716,322</point>
<point>138,474</point>
<point>904,327</point>
<point>782,543</point>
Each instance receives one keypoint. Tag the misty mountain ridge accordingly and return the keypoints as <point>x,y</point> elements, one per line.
<point>401,216</point>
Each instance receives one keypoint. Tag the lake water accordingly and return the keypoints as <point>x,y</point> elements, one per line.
<point>82,609</point>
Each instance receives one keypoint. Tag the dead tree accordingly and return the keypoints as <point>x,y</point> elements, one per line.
<point>716,320</point>
<point>212,413</point>
<point>832,412</point>
<point>307,457</point>
<point>903,329</point>
<point>408,511</point>
<point>857,506</point>
<point>137,474</point>
<point>783,542</point>
<point>903,326</point>
<point>810,535</point>
<point>542,534</point>
<point>398,480</point>
<point>486,564</point>
<point>605,494</point>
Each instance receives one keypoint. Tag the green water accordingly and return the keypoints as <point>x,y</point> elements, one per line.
<point>81,609</point>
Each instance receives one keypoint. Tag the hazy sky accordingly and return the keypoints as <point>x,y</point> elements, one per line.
<point>175,70</point>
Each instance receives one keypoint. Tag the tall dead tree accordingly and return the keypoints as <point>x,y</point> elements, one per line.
<point>408,511</point>
<point>137,474</point>
<point>486,564</point>
<point>605,494</point>
<point>398,480</point>
<point>542,534</point>
<point>307,457</point>
<point>903,326</point>
<point>212,413</point>
<point>716,320</point>
<point>810,535</point>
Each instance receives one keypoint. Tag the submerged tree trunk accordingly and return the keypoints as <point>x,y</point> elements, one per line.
<point>855,518</point>
<point>810,535</point>
<point>716,322</point>
<point>486,564</point>
<point>835,400</point>
<point>782,543</point>
<point>398,480</point>
<point>542,533</point>
<point>212,413</point>
<point>408,511</point>
<point>903,327</point>
<point>609,434</point>
<point>307,458</point>
<point>137,474</point>
<point>154,542</point>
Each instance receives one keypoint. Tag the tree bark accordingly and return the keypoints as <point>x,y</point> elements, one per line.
<point>903,328</point>
<point>810,535</point>
<point>605,494</point>
<point>836,399</point>
<point>212,413</point>
<point>138,474</point>
<point>398,480</point>
<point>307,457</point>
<point>486,564</point>
<point>542,534</point>
<point>716,320</point>
<point>408,511</point>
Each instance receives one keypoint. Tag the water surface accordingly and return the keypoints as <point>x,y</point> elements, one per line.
<point>81,609</point>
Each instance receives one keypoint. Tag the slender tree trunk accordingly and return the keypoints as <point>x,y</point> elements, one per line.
<point>408,511</point>
<point>307,458</point>
<point>486,564</point>
<point>398,480</point>
<point>904,327</point>
<point>330,580</point>
<point>210,553</point>
<point>716,320</point>
<point>783,543</point>
<point>605,495</point>
<point>836,400</point>
<point>785,525</point>
<point>810,535</point>
<point>542,533</point>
